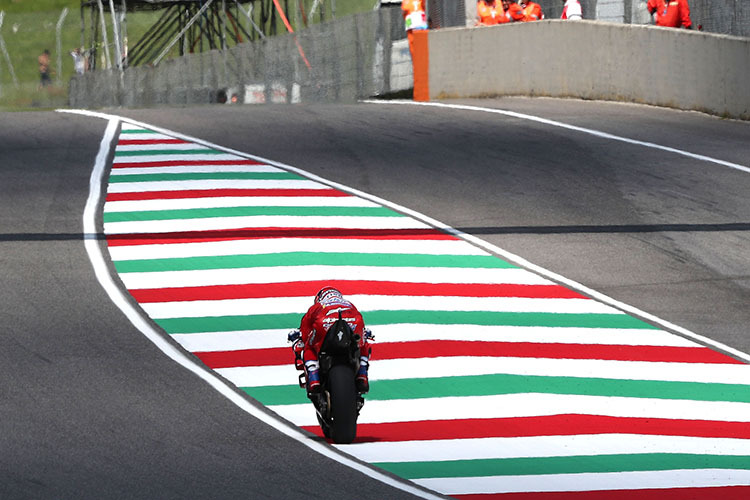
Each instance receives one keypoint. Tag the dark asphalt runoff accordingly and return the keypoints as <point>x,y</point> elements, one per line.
<point>91,409</point>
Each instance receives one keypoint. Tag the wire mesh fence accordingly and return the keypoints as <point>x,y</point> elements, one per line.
<point>358,56</point>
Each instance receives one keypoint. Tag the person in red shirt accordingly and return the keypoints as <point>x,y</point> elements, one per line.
<point>314,325</point>
<point>671,13</point>
<point>531,11</point>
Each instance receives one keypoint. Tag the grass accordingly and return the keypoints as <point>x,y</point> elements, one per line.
<point>29,28</point>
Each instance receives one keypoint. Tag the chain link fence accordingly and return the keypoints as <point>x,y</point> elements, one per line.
<point>447,13</point>
<point>351,58</point>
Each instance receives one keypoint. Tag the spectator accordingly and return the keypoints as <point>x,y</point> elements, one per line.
<point>513,12</point>
<point>44,76</point>
<point>572,10</point>
<point>531,11</point>
<point>79,61</point>
<point>489,12</point>
<point>671,14</point>
<point>415,18</point>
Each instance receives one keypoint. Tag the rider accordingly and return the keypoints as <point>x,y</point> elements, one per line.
<point>314,325</point>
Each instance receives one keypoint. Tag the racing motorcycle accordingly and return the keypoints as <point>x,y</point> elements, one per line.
<point>338,403</point>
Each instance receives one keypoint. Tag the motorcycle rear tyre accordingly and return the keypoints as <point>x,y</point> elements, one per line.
<point>343,392</point>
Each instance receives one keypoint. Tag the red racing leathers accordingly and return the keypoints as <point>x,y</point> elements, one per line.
<point>321,316</point>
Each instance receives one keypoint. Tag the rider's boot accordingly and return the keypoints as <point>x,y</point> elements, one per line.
<point>363,384</point>
<point>313,377</point>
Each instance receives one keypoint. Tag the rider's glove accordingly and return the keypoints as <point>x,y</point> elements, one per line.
<point>293,336</point>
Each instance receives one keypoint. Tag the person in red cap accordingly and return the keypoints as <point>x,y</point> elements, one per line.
<point>328,303</point>
<point>670,13</point>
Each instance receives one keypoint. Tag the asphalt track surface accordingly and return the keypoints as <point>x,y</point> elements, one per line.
<point>91,409</point>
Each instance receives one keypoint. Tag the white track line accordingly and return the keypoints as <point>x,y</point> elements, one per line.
<point>597,133</point>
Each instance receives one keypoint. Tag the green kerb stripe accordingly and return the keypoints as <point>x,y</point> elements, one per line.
<point>310,259</point>
<point>498,384</point>
<point>202,176</point>
<point>137,131</point>
<point>564,465</point>
<point>374,318</point>
<point>166,152</point>
<point>205,213</point>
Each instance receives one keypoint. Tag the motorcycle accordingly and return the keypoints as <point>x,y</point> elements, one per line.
<point>338,403</point>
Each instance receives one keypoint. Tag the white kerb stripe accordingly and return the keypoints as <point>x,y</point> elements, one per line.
<point>145,187</point>
<point>281,305</point>
<point>175,157</point>
<point>193,169</point>
<point>238,201</point>
<point>692,478</point>
<point>284,274</point>
<point>218,223</point>
<point>265,339</point>
<point>271,245</point>
<point>468,366</point>
<point>526,405</point>
<point>542,446</point>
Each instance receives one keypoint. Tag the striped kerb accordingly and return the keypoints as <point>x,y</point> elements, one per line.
<point>487,380</point>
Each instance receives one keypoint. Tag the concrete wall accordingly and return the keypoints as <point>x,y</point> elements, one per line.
<point>594,60</point>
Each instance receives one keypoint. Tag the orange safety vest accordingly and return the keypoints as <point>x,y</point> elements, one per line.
<point>532,12</point>
<point>489,12</point>
<point>514,13</point>
<point>415,15</point>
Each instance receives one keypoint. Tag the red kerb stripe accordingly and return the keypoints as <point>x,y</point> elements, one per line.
<point>222,193</point>
<point>553,425</point>
<point>139,142</point>
<point>182,163</point>
<point>274,232</point>
<point>305,288</point>
<point>449,348</point>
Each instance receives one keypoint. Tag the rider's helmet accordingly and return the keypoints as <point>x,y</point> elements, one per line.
<point>327,292</point>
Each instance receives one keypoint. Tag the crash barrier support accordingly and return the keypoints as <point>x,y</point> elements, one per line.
<point>593,60</point>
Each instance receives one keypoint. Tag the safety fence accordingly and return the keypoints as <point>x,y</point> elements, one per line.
<point>354,57</point>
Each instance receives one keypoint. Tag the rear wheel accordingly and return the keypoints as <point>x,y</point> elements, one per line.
<point>343,404</point>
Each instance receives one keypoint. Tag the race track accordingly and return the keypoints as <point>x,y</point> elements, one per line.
<point>93,409</point>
